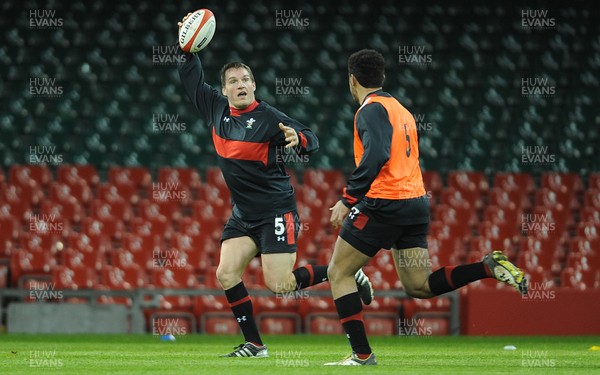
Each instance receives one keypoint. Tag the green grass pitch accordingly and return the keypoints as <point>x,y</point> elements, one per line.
<point>301,354</point>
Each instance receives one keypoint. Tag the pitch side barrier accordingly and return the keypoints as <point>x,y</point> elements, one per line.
<point>142,299</point>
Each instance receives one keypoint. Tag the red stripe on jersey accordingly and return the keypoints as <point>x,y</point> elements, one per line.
<point>360,221</point>
<point>351,200</point>
<point>241,150</point>
<point>289,228</point>
<point>240,301</point>
<point>303,140</point>
<point>236,112</point>
<point>357,316</point>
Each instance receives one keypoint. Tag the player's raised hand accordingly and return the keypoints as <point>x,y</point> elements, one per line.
<point>183,20</point>
<point>291,137</point>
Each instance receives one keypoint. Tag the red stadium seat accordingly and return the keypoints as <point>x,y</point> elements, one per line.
<point>14,202</point>
<point>588,229</point>
<point>592,198</point>
<point>557,199</point>
<point>139,176</point>
<point>187,177</point>
<point>152,221</point>
<point>23,174</point>
<point>61,213</point>
<point>562,182</point>
<point>75,259</point>
<point>590,214</point>
<point>164,202</point>
<point>594,181</point>
<point>458,218</point>
<point>123,278</point>
<point>104,224</point>
<point>64,277</point>
<point>580,278</point>
<point>172,276</point>
<point>71,174</point>
<point>24,262</point>
<point>118,208</point>
<point>514,181</point>
<point>432,182</point>
<point>470,184</point>
<point>89,242</point>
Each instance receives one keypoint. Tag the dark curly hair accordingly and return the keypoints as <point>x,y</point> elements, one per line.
<point>368,66</point>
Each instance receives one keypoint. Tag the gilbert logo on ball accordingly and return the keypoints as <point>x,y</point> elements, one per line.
<point>197,31</point>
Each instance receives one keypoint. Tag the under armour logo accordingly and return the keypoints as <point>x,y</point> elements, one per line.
<point>226,119</point>
<point>241,319</point>
<point>280,238</point>
<point>250,122</point>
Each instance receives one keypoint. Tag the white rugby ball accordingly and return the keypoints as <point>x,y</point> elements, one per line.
<point>197,31</point>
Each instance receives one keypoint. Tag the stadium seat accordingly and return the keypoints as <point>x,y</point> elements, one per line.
<point>73,174</point>
<point>64,277</point>
<point>590,214</point>
<point>13,204</point>
<point>592,198</point>
<point>75,259</point>
<point>188,177</point>
<point>138,176</point>
<point>24,263</point>
<point>23,175</point>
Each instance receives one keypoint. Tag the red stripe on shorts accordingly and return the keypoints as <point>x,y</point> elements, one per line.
<point>289,228</point>
<point>360,221</point>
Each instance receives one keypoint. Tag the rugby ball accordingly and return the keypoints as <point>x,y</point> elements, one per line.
<point>197,31</point>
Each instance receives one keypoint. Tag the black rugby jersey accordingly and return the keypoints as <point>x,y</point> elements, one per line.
<point>249,144</point>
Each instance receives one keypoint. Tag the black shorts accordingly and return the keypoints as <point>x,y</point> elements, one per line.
<point>272,235</point>
<point>366,231</point>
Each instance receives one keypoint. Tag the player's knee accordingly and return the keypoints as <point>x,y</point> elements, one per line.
<point>420,291</point>
<point>226,278</point>
<point>334,273</point>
